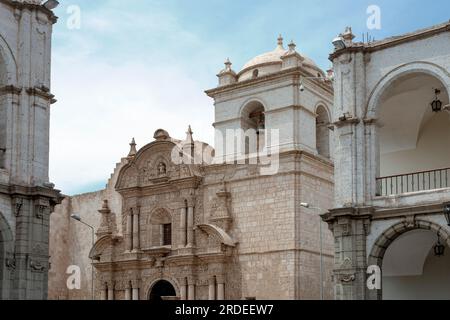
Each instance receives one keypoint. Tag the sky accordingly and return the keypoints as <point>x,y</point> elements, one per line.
<point>123,69</point>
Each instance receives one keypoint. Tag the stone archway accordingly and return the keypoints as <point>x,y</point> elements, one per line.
<point>392,236</point>
<point>162,290</point>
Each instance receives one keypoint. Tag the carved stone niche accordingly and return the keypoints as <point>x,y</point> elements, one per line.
<point>220,214</point>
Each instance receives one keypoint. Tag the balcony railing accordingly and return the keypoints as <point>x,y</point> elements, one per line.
<point>413,182</point>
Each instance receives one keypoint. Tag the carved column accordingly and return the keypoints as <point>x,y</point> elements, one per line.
<point>136,244</point>
<point>183,289</point>
<point>220,288</point>
<point>212,288</point>
<point>104,292</point>
<point>111,290</point>
<point>129,237</point>
<point>190,223</point>
<point>135,286</point>
<point>183,221</point>
<point>128,291</point>
<point>191,289</point>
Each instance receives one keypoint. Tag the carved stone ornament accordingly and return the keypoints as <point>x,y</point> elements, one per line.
<point>346,278</point>
<point>37,266</point>
<point>11,263</point>
<point>17,204</point>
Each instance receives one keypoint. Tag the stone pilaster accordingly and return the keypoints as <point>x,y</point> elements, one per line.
<point>212,288</point>
<point>190,223</point>
<point>136,242</point>
<point>129,234</point>
<point>220,287</point>
<point>135,289</point>
<point>183,289</point>
<point>183,227</point>
<point>191,288</point>
<point>350,228</point>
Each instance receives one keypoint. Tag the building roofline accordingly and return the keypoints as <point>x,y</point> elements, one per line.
<point>394,41</point>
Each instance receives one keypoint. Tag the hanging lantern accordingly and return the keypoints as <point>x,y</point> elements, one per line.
<point>436,105</point>
<point>439,248</point>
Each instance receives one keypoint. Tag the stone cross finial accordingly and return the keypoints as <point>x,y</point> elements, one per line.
<point>228,65</point>
<point>189,134</point>
<point>133,150</point>
<point>280,41</point>
<point>348,34</point>
<point>292,46</point>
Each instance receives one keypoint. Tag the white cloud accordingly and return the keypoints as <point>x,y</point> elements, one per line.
<point>104,101</point>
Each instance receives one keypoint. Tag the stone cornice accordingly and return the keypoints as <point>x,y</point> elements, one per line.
<point>30,6</point>
<point>389,213</point>
<point>347,121</point>
<point>296,72</point>
<point>10,89</point>
<point>394,41</point>
<point>164,187</point>
<point>37,191</point>
<point>349,212</point>
<point>42,92</point>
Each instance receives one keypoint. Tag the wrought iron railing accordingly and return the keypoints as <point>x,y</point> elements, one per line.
<point>413,182</point>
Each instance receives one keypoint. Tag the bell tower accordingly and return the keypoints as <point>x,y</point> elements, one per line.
<point>26,196</point>
<point>279,90</point>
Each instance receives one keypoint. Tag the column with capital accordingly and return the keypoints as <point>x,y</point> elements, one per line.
<point>136,242</point>
<point>220,288</point>
<point>191,288</point>
<point>104,292</point>
<point>129,235</point>
<point>135,288</point>
<point>128,291</point>
<point>183,289</point>
<point>190,223</point>
<point>111,290</point>
<point>183,226</point>
<point>212,288</point>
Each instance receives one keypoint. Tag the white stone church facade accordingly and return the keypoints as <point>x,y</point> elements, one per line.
<point>216,230</point>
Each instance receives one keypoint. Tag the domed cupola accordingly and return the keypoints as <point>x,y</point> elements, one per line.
<point>273,61</point>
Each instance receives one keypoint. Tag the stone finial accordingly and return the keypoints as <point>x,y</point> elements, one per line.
<point>228,65</point>
<point>189,135</point>
<point>348,35</point>
<point>292,46</point>
<point>133,150</point>
<point>106,224</point>
<point>280,42</point>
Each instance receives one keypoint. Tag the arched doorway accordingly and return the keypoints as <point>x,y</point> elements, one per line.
<point>162,290</point>
<point>410,132</point>
<point>412,271</point>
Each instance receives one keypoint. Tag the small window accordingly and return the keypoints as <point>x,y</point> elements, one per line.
<point>167,234</point>
<point>255,73</point>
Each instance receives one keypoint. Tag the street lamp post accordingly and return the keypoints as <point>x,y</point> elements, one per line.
<point>78,218</point>
<point>319,210</point>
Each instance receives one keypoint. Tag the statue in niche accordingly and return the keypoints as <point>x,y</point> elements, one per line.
<point>162,169</point>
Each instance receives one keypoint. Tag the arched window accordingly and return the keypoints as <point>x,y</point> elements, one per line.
<point>254,126</point>
<point>323,132</point>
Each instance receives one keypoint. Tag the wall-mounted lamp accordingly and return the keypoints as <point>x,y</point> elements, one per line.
<point>436,105</point>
